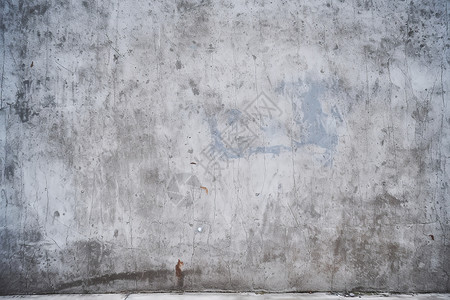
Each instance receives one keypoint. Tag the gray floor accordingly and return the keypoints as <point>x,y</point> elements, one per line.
<point>217,296</point>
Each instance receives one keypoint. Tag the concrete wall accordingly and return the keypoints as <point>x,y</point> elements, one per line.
<point>269,145</point>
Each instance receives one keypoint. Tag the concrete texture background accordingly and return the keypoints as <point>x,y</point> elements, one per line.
<point>228,296</point>
<point>269,145</point>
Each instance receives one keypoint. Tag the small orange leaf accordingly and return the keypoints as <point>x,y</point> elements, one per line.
<point>205,188</point>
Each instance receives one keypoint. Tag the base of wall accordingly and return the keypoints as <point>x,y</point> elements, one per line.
<point>229,296</point>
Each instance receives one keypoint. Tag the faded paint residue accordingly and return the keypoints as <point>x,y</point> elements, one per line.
<point>314,127</point>
<point>239,134</point>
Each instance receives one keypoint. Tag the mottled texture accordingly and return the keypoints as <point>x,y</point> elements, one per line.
<point>269,145</point>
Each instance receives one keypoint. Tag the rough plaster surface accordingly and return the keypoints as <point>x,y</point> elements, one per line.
<point>269,145</point>
<point>228,296</point>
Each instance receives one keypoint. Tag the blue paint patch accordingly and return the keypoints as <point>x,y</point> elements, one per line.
<point>275,150</point>
<point>236,134</point>
<point>219,150</point>
<point>337,116</point>
<point>239,136</point>
<point>314,126</point>
<point>233,115</point>
<point>273,130</point>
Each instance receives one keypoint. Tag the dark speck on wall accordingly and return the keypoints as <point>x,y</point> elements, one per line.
<point>194,87</point>
<point>178,65</point>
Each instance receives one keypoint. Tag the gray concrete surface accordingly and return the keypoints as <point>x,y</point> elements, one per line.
<point>269,145</point>
<point>231,296</point>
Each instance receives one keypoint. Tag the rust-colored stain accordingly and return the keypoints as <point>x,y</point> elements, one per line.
<point>32,64</point>
<point>205,188</point>
<point>178,270</point>
<point>193,163</point>
<point>432,237</point>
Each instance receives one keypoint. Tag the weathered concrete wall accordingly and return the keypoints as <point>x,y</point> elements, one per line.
<point>270,145</point>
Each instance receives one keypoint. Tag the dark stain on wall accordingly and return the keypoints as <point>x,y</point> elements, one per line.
<point>9,171</point>
<point>148,275</point>
<point>141,276</point>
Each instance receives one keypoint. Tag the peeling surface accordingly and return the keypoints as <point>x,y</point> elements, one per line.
<point>273,146</point>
